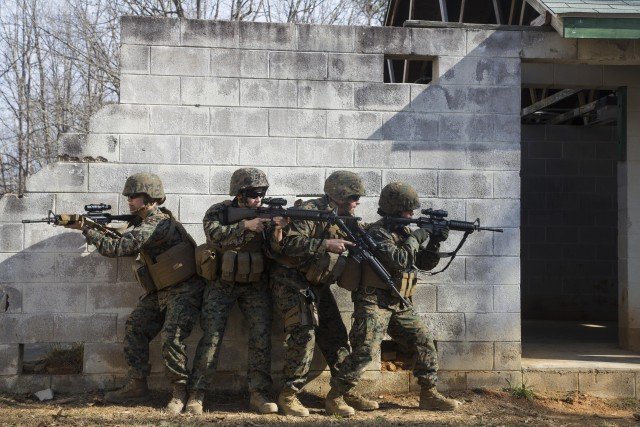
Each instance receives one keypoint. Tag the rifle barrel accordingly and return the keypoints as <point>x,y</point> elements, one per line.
<point>27,221</point>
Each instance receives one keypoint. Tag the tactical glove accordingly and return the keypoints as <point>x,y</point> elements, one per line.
<point>421,235</point>
<point>439,235</point>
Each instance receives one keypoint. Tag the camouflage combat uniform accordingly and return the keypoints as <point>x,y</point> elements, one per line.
<point>171,311</point>
<point>254,300</point>
<point>302,242</point>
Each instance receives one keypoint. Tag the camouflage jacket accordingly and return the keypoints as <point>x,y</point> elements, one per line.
<point>150,234</point>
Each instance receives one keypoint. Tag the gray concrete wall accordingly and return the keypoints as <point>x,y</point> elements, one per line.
<point>199,99</point>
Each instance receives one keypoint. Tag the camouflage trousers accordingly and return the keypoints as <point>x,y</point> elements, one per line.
<point>288,286</point>
<point>254,301</point>
<point>376,313</point>
<point>172,312</point>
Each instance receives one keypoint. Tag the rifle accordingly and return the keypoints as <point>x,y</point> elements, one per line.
<point>435,221</point>
<point>95,218</point>
<point>275,207</point>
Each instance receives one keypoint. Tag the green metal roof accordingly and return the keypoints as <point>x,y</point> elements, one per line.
<point>592,7</point>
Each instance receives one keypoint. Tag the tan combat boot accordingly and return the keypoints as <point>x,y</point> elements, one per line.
<point>194,405</point>
<point>259,403</point>
<point>290,405</point>
<point>135,388</point>
<point>360,402</point>
<point>178,400</point>
<point>335,404</point>
<point>431,399</point>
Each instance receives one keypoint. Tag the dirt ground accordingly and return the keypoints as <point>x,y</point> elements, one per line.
<point>480,407</point>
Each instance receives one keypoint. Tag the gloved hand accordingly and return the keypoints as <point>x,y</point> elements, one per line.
<point>440,234</point>
<point>421,235</point>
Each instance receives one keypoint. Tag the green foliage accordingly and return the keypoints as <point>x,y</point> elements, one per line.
<point>522,391</point>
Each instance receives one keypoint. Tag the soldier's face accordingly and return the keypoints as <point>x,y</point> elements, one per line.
<point>136,202</point>
<point>406,214</point>
<point>348,207</point>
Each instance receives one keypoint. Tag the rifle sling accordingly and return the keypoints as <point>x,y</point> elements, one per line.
<point>450,255</point>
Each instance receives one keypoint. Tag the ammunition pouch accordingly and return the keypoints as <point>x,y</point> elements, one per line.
<point>206,262</point>
<point>173,266</point>
<point>406,284</point>
<point>141,273</point>
<point>304,313</point>
<point>326,269</point>
<point>242,267</point>
<point>351,275</point>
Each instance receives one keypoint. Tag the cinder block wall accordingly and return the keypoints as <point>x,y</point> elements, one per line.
<point>569,223</point>
<point>200,98</point>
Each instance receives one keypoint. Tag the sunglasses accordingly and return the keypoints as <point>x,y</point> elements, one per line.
<point>254,193</point>
<point>354,198</point>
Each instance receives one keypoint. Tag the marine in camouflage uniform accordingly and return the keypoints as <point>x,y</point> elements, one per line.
<point>298,299</point>
<point>253,297</point>
<point>378,311</point>
<point>171,311</point>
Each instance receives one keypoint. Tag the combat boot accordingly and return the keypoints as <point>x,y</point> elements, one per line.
<point>135,388</point>
<point>194,405</point>
<point>431,399</point>
<point>259,403</point>
<point>178,400</point>
<point>335,404</point>
<point>290,405</point>
<point>359,402</point>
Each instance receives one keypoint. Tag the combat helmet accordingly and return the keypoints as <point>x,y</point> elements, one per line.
<point>396,197</point>
<point>244,178</point>
<point>341,184</point>
<point>146,183</point>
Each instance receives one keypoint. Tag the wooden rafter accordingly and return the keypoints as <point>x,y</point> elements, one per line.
<point>544,103</point>
<point>577,112</point>
<point>461,11</point>
<point>443,11</point>
<point>497,12</point>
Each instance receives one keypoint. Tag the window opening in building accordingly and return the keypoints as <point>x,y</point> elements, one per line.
<point>408,69</point>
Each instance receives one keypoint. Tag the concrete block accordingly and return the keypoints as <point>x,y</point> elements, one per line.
<point>59,177</point>
<point>181,179</point>
<point>179,120</point>
<point>26,267</point>
<point>409,126</point>
<point>383,97</point>
<point>434,98</point>
<point>547,380</point>
<point>149,31</point>
<point>325,95</point>
<point>9,359</point>
<point>120,118</point>
<point>493,156</point>
<point>607,51</point>
<point>11,298</point>
<point>11,237</point>
<point>385,154</point>
<point>145,89</point>
<point>607,384</point>
<point>268,93</point>
<point>111,177</point>
<point>209,150</point>
<point>104,358</point>
<point>507,128</point>
<point>500,100</point>
<point>465,298</point>
<point>27,206</point>
<point>354,124</point>
<point>324,152</point>
<point>438,41</point>
<point>390,40</point>
<point>84,327</point>
<point>24,384</point>
<point>85,267</point>
<point>192,208</point>
<point>74,203</point>
<point>465,356</point>
<point>206,33</point>
<point>466,127</point>
<point>134,59</point>
<point>240,63</point>
<point>507,356</point>
<point>493,326</point>
<point>438,155</point>
<point>82,383</point>
<point>574,75</point>
<point>54,298</point>
<point>506,184</point>
<point>495,212</point>
<point>478,244</point>
<point>492,43</point>
<point>150,148</point>
<point>448,381</point>
<point>494,379</point>
<point>454,274</point>
<point>239,121</point>
<point>210,91</point>
<point>547,45</point>
<point>507,243</point>
<point>113,298</point>
<point>372,181</point>
<point>180,61</point>
<point>615,76</point>
<point>493,270</point>
<point>425,182</point>
<point>444,326</point>
<point>297,123</point>
<point>258,35</point>
<point>220,177</point>
<point>298,65</point>
<point>289,181</point>
<point>26,328</point>
<point>91,147</point>
<point>325,38</point>
<point>356,68</point>
<point>478,71</point>
<point>465,184</point>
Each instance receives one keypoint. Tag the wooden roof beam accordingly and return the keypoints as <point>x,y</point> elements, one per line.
<point>544,103</point>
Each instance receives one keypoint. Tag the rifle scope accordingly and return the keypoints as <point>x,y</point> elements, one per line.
<point>438,213</point>
<point>97,207</point>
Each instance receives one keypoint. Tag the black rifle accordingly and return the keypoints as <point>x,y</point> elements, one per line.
<point>95,218</point>
<point>434,221</point>
<point>274,208</point>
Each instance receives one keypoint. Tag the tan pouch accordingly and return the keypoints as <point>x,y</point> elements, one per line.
<point>141,273</point>
<point>370,278</point>
<point>411,285</point>
<point>228,268</point>
<point>173,266</point>
<point>206,262</point>
<point>243,270</point>
<point>351,275</point>
<point>257,266</point>
<point>326,269</point>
